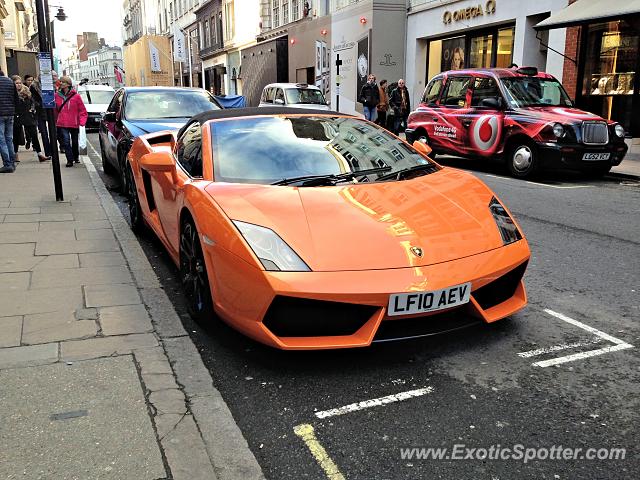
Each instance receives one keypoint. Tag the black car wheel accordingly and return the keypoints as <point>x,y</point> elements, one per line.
<point>522,159</point>
<point>122,163</point>
<point>106,166</point>
<point>193,273</point>
<point>135,210</point>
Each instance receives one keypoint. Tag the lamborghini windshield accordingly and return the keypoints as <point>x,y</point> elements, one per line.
<point>535,92</point>
<point>304,150</point>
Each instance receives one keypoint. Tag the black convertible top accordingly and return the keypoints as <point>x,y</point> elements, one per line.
<point>251,112</point>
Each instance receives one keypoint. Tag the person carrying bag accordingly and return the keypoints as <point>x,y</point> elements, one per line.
<point>71,115</point>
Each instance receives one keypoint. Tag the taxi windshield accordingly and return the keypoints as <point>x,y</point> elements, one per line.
<point>267,150</point>
<point>535,92</point>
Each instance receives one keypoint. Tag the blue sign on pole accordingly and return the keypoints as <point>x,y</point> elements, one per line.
<point>46,80</point>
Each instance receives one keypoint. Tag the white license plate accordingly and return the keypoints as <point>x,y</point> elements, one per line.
<point>596,156</point>
<point>421,302</point>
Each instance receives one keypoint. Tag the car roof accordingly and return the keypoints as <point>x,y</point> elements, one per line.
<point>95,87</point>
<point>292,85</point>
<point>159,89</point>
<point>258,111</point>
<point>495,72</point>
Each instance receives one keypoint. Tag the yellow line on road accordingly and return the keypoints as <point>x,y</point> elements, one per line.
<point>306,433</point>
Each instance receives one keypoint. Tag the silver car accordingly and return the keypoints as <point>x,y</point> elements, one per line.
<point>296,95</point>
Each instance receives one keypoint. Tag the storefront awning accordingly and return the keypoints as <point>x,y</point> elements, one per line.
<point>589,11</point>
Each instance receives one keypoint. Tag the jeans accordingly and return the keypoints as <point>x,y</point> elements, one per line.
<point>400,122</point>
<point>6,142</point>
<point>44,131</point>
<point>69,141</point>
<point>370,113</point>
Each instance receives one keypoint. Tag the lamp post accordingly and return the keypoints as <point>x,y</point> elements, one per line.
<point>46,43</point>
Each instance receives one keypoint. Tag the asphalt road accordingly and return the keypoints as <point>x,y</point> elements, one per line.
<point>476,388</point>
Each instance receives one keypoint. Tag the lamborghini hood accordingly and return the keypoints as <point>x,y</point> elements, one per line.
<point>443,215</point>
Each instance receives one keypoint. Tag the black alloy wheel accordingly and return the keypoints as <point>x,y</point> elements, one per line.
<point>135,210</point>
<point>193,274</point>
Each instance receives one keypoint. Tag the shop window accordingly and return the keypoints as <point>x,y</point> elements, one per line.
<point>455,93</point>
<point>610,68</point>
<point>480,51</point>
<point>484,88</point>
<point>505,47</point>
<point>432,92</point>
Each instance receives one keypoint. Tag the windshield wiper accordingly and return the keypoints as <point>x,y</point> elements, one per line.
<point>330,179</point>
<point>400,174</point>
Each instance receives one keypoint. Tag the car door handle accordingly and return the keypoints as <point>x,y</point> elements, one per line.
<point>466,122</point>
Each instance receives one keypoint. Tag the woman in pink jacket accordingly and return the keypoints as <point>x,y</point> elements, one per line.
<point>71,115</point>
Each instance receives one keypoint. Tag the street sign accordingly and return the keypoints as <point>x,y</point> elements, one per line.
<point>46,80</point>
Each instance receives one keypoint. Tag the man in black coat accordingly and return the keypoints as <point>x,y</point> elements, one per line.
<point>41,116</point>
<point>401,105</point>
<point>8,102</point>
<point>370,98</point>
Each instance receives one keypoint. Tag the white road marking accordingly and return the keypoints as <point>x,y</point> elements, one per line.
<point>581,325</point>
<point>376,402</point>
<point>557,348</point>
<point>618,344</point>
<point>582,355</point>
<point>562,187</point>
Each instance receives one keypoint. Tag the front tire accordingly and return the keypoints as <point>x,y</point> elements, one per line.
<point>422,137</point>
<point>522,160</point>
<point>193,274</point>
<point>106,166</point>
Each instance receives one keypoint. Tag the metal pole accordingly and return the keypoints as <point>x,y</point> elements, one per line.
<point>44,39</point>
<point>190,66</point>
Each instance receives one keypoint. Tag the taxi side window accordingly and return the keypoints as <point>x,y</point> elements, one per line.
<point>484,87</point>
<point>189,150</point>
<point>268,95</point>
<point>455,91</point>
<point>432,92</point>
<point>280,95</point>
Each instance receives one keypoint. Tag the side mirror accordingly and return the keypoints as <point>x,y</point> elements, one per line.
<point>157,162</point>
<point>423,148</point>
<point>278,101</point>
<point>492,103</point>
<point>109,116</point>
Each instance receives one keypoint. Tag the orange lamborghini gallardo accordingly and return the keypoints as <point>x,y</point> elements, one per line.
<point>312,229</point>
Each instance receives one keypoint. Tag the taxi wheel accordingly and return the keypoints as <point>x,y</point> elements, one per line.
<point>522,160</point>
<point>193,274</point>
<point>106,166</point>
<point>135,210</point>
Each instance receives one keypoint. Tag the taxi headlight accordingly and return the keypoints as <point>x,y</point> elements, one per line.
<point>508,230</point>
<point>558,130</point>
<point>619,129</point>
<point>273,252</point>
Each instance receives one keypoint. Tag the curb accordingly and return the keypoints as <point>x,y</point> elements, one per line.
<point>625,176</point>
<point>215,432</point>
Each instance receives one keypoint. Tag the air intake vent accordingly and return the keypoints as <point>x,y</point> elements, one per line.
<point>501,289</point>
<point>595,133</point>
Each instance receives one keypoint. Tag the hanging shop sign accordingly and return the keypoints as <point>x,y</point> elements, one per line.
<point>468,13</point>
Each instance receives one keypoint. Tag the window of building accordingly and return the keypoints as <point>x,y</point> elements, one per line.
<point>295,10</point>
<point>275,6</point>
<point>285,12</point>
<point>230,18</point>
<point>480,51</point>
<point>214,33</point>
<point>220,29</point>
<point>206,34</point>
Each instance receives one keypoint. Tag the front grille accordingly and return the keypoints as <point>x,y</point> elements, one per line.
<point>415,327</point>
<point>501,289</point>
<point>595,133</point>
<point>301,317</point>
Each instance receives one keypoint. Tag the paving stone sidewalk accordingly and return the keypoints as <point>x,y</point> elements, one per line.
<point>98,378</point>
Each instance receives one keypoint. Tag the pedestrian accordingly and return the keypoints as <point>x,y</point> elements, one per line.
<point>401,105</point>
<point>27,80</point>
<point>8,102</point>
<point>72,115</point>
<point>18,131</point>
<point>26,118</point>
<point>41,116</point>
<point>383,105</point>
<point>370,97</point>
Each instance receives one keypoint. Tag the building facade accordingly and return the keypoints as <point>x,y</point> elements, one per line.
<point>108,59</point>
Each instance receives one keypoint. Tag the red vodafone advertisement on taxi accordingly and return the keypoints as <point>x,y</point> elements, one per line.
<point>520,115</point>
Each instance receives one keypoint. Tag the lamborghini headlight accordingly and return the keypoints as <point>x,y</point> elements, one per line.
<point>508,230</point>
<point>273,252</point>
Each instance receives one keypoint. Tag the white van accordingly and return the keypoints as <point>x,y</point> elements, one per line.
<point>96,99</point>
<point>296,95</point>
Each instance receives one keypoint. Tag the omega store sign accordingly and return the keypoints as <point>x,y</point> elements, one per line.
<point>469,12</point>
